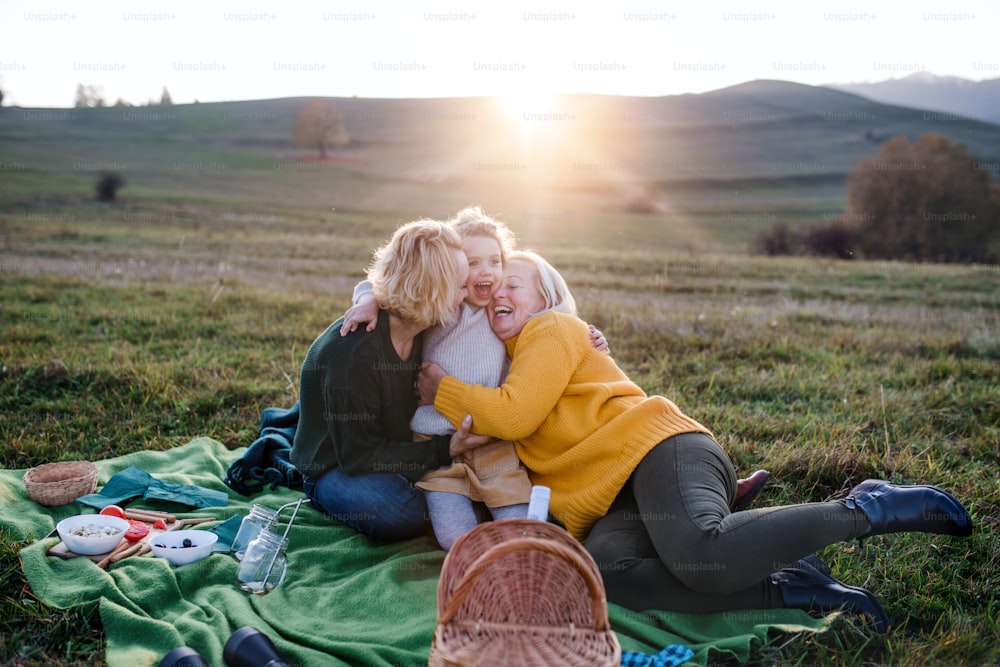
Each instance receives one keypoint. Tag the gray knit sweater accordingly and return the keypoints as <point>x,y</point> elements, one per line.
<point>467,350</point>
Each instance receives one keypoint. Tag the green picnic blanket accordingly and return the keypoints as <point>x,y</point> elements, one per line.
<point>346,600</point>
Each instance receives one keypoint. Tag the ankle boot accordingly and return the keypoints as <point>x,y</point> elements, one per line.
<point>893,508</point>
<point>748,489</point>
<point>808,585</point>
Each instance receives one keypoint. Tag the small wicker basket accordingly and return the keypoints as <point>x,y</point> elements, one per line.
<point>521,592</point>
<point>60,483</point>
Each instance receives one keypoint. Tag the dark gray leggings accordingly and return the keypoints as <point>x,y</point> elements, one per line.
<point>669,541</point>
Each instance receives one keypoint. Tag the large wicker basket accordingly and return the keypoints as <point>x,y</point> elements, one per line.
<point>521,592</point>
<point>60,483</point>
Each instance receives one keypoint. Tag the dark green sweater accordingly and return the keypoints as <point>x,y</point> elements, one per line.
<point>356,399</point>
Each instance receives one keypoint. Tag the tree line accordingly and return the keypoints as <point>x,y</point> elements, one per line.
<point>92,97</point>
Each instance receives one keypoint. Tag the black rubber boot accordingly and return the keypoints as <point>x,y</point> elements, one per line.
<point>893,508</point>
<point>808,585</point>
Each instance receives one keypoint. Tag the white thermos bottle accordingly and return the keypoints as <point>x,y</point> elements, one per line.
<point>538,506</point>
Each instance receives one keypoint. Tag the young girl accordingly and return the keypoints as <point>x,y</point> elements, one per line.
<point>490,474</point>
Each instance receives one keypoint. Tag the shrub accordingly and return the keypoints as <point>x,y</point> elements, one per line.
<point>835,240</point>
<point>925,200</point>
<point>779,241</point>
<point>108,184</point>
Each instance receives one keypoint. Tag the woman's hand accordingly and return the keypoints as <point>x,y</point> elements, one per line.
<point>427,385</point>
<point>462,440</point>
<point>365,310</point>
<point>428,381</point>
<point>598,341</point>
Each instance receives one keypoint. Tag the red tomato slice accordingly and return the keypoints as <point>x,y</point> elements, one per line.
<point>160,524</point>
<point>136,531</point>
<point>113,510</point>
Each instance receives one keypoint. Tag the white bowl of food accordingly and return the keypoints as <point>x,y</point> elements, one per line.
<point>181,547</point>
<point>92,534</point>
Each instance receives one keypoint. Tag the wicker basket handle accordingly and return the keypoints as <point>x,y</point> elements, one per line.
<point>595,586</point>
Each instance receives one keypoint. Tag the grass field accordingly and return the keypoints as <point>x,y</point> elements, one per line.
<point>118,337</point>
<point>186,309</point>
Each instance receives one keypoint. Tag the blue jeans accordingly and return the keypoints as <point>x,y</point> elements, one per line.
<point>383,506</point>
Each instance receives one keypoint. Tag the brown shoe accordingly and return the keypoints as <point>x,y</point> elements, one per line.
<point>748,489</point>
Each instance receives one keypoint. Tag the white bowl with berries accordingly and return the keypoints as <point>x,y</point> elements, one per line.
<point>181,547</point>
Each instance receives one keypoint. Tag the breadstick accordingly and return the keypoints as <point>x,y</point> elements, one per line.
<point>195,522</point>
<point>131,551</point>
<point>149,515</point>
<point>124,546</point>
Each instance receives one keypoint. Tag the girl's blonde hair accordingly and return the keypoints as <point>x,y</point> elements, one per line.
<point>550,283</point>
<point>415,275</point>
<point>473,222</point>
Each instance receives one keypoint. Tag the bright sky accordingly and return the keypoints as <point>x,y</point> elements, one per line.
<point>209,50</point>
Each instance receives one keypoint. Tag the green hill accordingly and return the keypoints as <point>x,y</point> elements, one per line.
<point>729,162</point>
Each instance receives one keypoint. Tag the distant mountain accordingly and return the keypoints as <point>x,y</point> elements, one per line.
<point>764,130</point>
<point>942,94</point>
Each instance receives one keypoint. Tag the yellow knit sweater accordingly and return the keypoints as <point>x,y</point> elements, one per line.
<point>579,424</point>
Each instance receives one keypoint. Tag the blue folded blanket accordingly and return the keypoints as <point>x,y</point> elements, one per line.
<point>267,462</point>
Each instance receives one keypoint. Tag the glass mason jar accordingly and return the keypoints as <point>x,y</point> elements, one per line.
<point>264,563</point>
<point>259,518</point>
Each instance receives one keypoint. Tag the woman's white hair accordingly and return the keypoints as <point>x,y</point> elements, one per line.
<point>550,283</point>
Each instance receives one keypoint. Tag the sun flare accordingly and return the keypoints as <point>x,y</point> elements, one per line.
<point>525,104</point>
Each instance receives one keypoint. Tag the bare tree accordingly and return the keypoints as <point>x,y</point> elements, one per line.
<point>89,96</point>
<point>320,125</point>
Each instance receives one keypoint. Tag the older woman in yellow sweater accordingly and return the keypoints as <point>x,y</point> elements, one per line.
<point>646,488</point>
